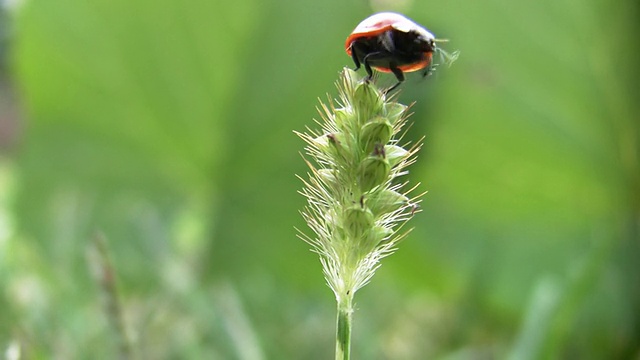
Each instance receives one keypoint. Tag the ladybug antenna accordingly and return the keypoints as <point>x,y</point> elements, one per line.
<point>447,57</point>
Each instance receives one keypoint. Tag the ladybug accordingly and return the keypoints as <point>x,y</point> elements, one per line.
<point>390,42</point>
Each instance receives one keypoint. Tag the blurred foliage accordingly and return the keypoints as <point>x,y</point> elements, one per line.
<point>167,127</point>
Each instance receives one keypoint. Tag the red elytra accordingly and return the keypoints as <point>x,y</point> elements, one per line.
<point>390,42</point>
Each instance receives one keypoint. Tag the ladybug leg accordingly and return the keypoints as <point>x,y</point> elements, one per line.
<point>367,66</point>
<point>399,75</point>
<point>355,58</point>
<point>428,70</point>
<point>369,71</point>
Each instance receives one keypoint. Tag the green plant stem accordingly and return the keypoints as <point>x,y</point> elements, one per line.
<point>113,305</point>
<point>343,327</point>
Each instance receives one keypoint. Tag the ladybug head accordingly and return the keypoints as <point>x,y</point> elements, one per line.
<point>416,41</point>
<point>426,44</point>
<point>424,40</point>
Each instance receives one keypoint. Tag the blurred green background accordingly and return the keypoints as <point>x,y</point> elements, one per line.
<point>166,127</point>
